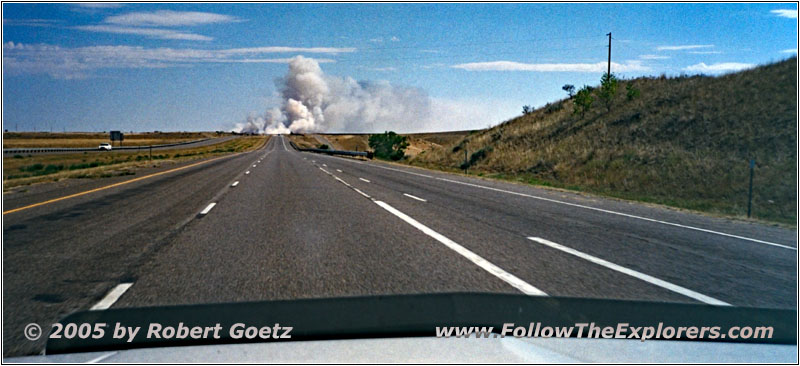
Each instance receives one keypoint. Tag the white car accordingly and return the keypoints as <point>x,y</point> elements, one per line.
<point>105,146</point>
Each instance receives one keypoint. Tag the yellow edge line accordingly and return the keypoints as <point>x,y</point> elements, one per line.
<point>114,185</point>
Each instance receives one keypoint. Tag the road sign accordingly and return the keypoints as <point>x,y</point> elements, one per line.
<point>117,136</point>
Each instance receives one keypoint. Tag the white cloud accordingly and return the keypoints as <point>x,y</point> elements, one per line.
<point>158,33</point>
<point>653,57</point>
<point>383,68</point>
<point>169,18</point>
<point>394,39</point>
<point>376,40</point>
<point>434,65</point>
<point>250,50</point>
<point>705,52</point>
<point>785,13</point>
<point>560,67</point>
<point>272,60</point>
<point>683,47</point>
<point>790,50</point>
<point>81,62</point>
<point>30,22</point>
<point>717,68</point>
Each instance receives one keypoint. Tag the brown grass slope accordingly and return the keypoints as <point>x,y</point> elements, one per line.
<point>684,142</point>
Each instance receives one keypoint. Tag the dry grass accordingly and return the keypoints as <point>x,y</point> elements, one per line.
<point>46,139</point>
<point>28,169</point>
<point>685,142</point>
<point>418,142</point>
<point>304,141</point>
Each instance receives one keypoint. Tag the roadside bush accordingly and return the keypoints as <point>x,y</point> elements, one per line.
<point>388,145</point>
<point>583,100</point>
<point>608,89</point>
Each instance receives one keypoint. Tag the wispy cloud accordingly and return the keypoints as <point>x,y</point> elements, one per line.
<point>383,68</point>
<point>30,22</point>
<point>376,40</point>
<point>653,57</point>
<point>280,49</point>
<point>155,24</point>
<point>158,33</point>
<point>790,50</point>
<point>684,47</point>
<point>272,60</point>
<point>556,67</point>
<point>705,52</point>
<point>433,65</point>
<point>169,18</point>
<point>81,62</point>
<point>717,68</point>
<point>394,39</point>
<point>785,13</point>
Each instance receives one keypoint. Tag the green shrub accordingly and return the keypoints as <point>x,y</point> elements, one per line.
<point>583,100</point>
<point>388,145</point>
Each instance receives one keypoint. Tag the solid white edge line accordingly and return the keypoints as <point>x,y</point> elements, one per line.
<point>498,272</point>
<point>644,277</point>
<point>586,207</point>
<point>415,197</point>
<point>103,357</point>
<point>208,208</point>
<point>620,214</point>
<point>236,183</point>
<point>362,179</point>
<point>112,296</point>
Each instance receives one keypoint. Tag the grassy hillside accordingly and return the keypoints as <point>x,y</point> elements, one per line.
<point>684,142</point>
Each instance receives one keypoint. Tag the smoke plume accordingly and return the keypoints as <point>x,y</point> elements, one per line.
<point>312,101</point>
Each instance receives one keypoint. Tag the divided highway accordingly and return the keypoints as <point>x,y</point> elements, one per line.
<point>280,224</point>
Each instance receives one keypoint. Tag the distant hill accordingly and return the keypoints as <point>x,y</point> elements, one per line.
<point>684,141</point>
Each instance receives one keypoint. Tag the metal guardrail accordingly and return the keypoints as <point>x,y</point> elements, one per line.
<point>366,154</point>
<point>79,149</point>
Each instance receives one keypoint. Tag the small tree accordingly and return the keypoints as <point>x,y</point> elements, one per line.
<point>570,89</point>
<point>632,92</point>
<point>583,100</point>
<point>388,145</point>
<point>608,88</point>
<point>526,109</point>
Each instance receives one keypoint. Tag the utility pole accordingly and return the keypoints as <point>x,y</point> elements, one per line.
<point>609,53</point>
<point>750,191</point>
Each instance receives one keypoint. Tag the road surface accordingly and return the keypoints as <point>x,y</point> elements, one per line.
<point>280,224</point>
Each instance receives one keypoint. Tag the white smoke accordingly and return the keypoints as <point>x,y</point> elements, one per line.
<point>315,102</point>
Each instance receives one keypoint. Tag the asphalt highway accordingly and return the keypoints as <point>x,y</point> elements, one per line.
<point>280,224</point>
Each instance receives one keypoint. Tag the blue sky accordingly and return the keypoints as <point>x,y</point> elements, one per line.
<point>141,67</point>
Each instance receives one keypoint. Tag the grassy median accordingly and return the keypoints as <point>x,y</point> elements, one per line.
<point>24,169</point>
